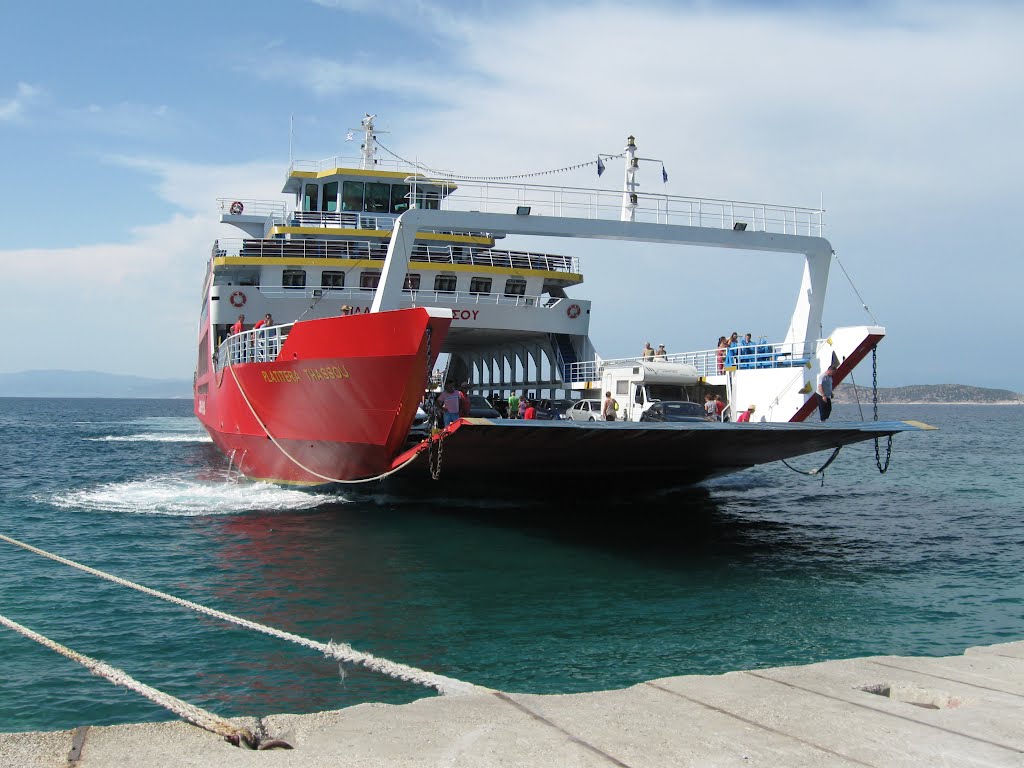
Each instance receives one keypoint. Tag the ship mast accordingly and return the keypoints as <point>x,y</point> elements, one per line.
<point>629,199</point>
<point>369,143</point>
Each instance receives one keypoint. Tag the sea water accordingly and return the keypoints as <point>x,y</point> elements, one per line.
<point>764,568</point>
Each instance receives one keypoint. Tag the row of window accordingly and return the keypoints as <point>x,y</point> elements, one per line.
<point>368,196</point>
<point>296,278</point>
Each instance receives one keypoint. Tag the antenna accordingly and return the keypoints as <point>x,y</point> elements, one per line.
<point>291,131</point>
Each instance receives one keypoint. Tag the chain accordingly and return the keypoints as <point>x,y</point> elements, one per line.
<point>434,446</point>
<point>882,469</point>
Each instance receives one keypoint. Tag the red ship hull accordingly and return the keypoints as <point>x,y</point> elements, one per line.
<point>336,405</point>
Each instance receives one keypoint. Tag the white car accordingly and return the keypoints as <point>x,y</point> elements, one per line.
<point>585,410</point>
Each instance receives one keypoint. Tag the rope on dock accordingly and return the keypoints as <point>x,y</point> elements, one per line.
<point>188,712</point>
<point>342,652</point>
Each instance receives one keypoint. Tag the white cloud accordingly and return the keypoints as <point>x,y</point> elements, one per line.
<point>14,108</point>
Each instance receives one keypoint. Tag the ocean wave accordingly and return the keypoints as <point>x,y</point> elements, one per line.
<point>188,497</point>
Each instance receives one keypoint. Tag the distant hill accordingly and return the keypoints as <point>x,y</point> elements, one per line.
<point>89,384</point>
<point>929,393</point>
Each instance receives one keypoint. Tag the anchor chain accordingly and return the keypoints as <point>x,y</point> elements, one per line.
<point>882,469</point>
<point>435,447</point>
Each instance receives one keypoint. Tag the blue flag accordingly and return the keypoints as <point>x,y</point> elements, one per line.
<point>600,166</point>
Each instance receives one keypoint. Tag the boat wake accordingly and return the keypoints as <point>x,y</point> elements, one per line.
<point>152,437</point>
<point>185,496</point>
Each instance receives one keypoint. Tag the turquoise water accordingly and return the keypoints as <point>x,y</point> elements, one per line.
<point>760,569</point>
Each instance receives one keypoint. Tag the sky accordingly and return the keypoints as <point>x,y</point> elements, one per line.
<point>121,123</point>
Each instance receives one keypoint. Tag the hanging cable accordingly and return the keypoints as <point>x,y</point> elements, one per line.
<point>859,297</point>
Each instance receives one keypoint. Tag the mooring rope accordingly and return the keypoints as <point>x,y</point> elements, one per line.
<point>298,463</point>
<point>342,652</point>
<point>188,712</point>
<point>820,470</point>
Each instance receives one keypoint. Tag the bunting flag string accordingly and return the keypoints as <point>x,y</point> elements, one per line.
<point>446,174</point>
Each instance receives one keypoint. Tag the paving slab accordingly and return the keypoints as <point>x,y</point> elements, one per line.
<point>35,750</point>
<point>997,673</point>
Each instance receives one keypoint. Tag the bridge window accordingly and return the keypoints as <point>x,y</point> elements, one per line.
<point>369,280</point>
<point>352,196</point>
<point>293,278</point>
<point>480,285</point>
<point>515,286</point>
<point>378,197</point>
<point>311,202</point>
<point>332,279</point>
<point>331,196</point>
<point>430,200</point>
<point>445,283</point>
<point>399,198</point>
<point>412,282</point>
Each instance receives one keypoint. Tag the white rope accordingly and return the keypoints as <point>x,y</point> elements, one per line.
<point>188,712</point>
<point>850,281</point>
<point>339,651</point>
<point>298,463</point>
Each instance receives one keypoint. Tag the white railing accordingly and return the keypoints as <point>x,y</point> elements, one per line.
<point>341,161</point>
<point>708,362</point>
<point>363,250</point>
<point>579,202</point>
<point>418,297</point>
<point>273,208</point>
<point>261,345</point>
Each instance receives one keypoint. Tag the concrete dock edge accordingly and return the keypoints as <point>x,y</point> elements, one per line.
<point>886,711</point>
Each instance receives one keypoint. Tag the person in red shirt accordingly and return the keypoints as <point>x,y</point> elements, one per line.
<point>239,326</point>
<point>530,412</point>
<point>464,404</point>
<point>267,320</point>
<point>745,416</point>
<point>719,407</point>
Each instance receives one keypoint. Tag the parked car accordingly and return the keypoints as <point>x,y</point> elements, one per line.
<point>584,410</point>
<point>480,408</point>
<point>553,410</point>
<point>674,410</point>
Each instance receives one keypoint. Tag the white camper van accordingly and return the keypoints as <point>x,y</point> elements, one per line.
<point>637,386</point>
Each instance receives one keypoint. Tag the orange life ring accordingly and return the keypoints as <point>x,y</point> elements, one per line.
<point>238,299</point>
<point>236,208</point>
<point>573,311</point>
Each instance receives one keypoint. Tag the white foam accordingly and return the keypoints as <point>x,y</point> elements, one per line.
<point>150,437</point>
<point>185,496</point>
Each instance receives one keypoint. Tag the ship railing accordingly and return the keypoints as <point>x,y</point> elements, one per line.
<point>418,297</point>
<point>581,202</point>
<point>272,208</point>
<point>350,162</point>
<point>708,362</point>
<point>378,222</point>
<point>360,249</point>
<point>260,345</point>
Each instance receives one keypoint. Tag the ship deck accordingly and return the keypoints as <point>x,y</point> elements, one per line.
<point>610,457</point>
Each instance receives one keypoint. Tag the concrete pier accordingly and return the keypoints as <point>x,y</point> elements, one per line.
<point>880,711</point>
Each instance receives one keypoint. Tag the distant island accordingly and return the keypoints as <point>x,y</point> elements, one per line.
<point>930,393</point>
<point>90,384</point>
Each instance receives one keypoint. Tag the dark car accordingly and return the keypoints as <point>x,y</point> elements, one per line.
<point>553,410</point>
<point>481,408</point>
<point>674,410</point>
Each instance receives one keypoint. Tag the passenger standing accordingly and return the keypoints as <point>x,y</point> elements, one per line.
<point>648,351</point>
<point>825,393</point>
<point>723,343</point>
<point>609,407</point>
<point>720,408</point>
<point>464,404</point>
<point>266,321</point>
<point>449,403</point>
<point>661,354</point>
<point>529,412</point>
<point>239,325</point>
<point>709,407</point>
<point>513,406</point>
<point>523,402</point>
<point>745,416</point>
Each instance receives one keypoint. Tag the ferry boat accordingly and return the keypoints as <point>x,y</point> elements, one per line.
<point>376,267</point>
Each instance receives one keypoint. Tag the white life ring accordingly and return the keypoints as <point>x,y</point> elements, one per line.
<point>238,299</point>
<point>236,208</point>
